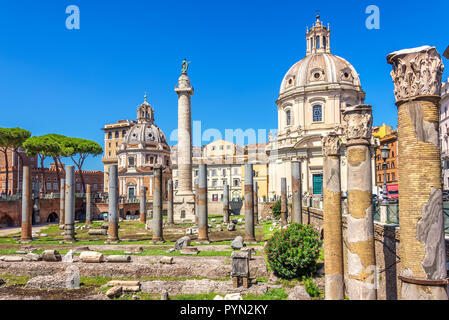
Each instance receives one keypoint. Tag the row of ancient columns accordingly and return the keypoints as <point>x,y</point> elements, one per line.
<point>417,77</point>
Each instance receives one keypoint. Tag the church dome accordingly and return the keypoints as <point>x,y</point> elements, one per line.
<point>144,131</point>
<point>320,68</point>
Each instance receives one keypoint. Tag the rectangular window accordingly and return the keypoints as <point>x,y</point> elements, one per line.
<point>318,184</point>
<point>317,114</point>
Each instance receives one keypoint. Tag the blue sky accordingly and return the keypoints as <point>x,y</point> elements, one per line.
<point>72,82</point>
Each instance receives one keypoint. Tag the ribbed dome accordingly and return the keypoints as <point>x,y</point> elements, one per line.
<point>318,69</point>
<point>145,132</point>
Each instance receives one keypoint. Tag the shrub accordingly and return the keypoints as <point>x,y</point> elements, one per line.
<point>276,210</point>
<point>293,252</point>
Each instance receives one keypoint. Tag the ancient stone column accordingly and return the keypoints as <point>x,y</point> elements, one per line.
<point>333,234</point>
<point>184,196</point>
<point>143,204</point>
<point>69,211</point>
<point>88,204</point>
<point>284,203</point>
<point>196,202</point>
<point>27,206</point>
<point>417,77</point>
<point>296,192</point>
<point>113,192</point>
<point>250,235</point>
<point>203,232</point>
<point>61,204</point>
<point>226,203</point>
<point>170,218</point>
<point>256,203</point>
<point>157,205</point>
<point>362,275</point>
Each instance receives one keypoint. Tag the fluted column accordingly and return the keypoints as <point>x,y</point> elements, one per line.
<point>417,77</point>
<point>196,202</point>
<point>333,235</point>
<point>157,205</point>
<point>113,192</point>
<point>296,192</point>
<point>284,201</point>
<point>170,219</point>
<point>69,212</point>
<point>61,204</point>
<point>143,204</point>
<point>362,276</point>
<point>88,204</point>
<point>203,232</point>
<point>27,206</point>
<point>250,235</point>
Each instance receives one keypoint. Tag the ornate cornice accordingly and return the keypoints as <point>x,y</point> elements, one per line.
<point>416,72</point>
<point>331,144</point>
<point>359,122</point>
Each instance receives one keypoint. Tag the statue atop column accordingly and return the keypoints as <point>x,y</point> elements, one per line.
<point>185,66</point>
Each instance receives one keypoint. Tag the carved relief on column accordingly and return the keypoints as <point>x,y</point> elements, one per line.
<point>359,122</point>
<point>331,144</point>
<point>416,72</point>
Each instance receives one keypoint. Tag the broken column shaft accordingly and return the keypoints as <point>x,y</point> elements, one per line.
<point>284,201</point>
<point>362,275</point>
<point>417,77</point>
<point>226,203</point>
<point>170,213</point>
<point>143,204</point>
<point>296,192</point>
<point>69,211</point>
<point>88,204</point>
<point>333,234</point>
<point>157,205</point>
<point>113,204</point>
<point>256,203</point>
<point>203,234</point>
<point>61,204</point>
<point>249,204</point>
<point>27,206</point>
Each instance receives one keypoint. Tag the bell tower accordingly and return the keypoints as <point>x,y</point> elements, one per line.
<point>318,38</point>
<point>145,112</point>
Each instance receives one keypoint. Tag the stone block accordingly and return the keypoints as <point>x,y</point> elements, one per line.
<point>51,256</point>
<point>91,257</point>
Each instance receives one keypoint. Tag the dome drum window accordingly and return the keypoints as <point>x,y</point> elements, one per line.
<point>317,113</point>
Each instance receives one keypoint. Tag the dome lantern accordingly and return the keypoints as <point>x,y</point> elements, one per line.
<point>318,38</point>
<point>145,112</point>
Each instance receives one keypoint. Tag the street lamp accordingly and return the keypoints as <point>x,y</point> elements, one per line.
<point>385,153</point>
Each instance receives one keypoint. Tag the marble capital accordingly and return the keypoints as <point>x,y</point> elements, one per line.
<point>331,144</point>
<point>416,72</point>
<point>359,122</point>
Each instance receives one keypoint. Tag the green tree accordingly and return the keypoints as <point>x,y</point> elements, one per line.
<point>43,147</point>
<point>78,150</point>
<point>276,210</point>
<point>12,139</point>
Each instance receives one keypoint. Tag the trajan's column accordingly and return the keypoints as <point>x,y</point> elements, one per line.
<point>417,77</point>
<point>185,198</point>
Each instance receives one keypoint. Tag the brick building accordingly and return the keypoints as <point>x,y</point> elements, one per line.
<point>49,175</point>
<point>387,136</point>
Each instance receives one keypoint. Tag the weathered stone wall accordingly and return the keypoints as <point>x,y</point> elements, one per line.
<point>387,252</point>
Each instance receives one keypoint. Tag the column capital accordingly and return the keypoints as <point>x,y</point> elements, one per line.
<point>359,122</point>
<point>416,72</point>
<point>331,144</point>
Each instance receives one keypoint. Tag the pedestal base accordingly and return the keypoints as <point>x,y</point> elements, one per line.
<point>184,207</point>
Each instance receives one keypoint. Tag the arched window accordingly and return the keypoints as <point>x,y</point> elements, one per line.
<point>288,117</point>
<point>324,42</point>
<point>318,42</point>
<point>317,114</point>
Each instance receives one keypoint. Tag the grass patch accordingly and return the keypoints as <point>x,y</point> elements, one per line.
<point>202,296</point>
<point>273,294</point>
<point>11,279</point>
